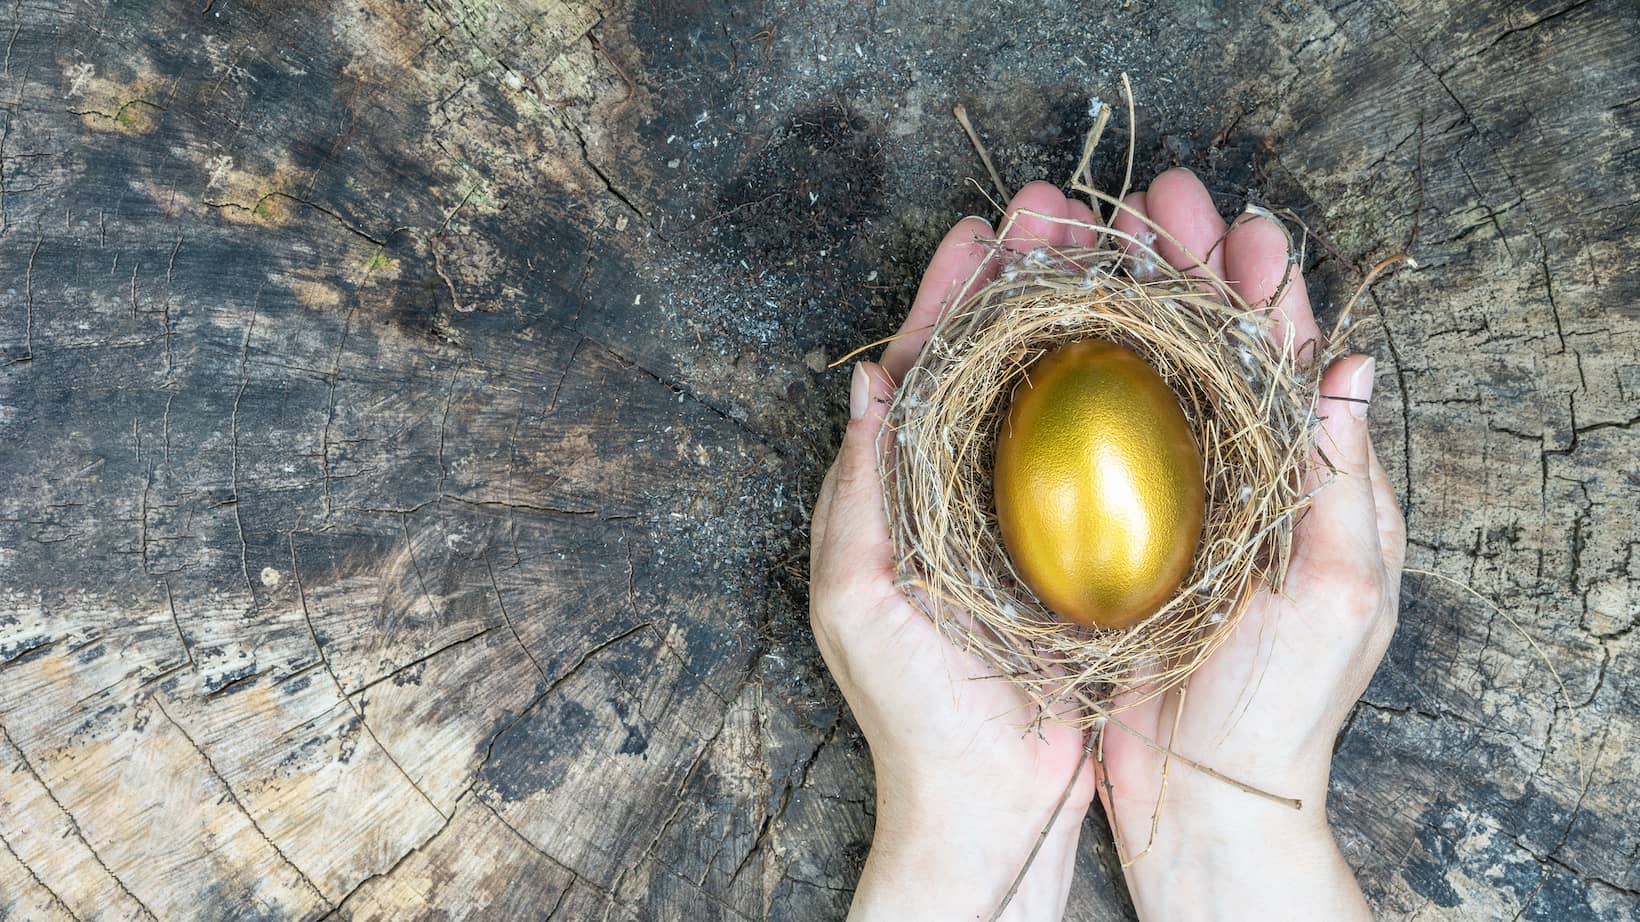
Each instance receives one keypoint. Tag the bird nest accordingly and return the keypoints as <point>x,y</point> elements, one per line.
<point>1250,403</point>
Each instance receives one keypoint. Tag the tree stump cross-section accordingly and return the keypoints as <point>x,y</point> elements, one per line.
<point>411,415</point>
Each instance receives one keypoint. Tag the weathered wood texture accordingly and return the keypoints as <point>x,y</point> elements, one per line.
<point>411,413</point>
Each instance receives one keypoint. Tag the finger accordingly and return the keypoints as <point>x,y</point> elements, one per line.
<point>1084,232</point>
<point>1137,705</point>
<point>1130,219</point>
<point>1136,235</point>
<point>1027,225</point>
<point>857,543</point>
<point>820,513</point>
<point>1258,265</point>
<point>953,263</point>
<point>1130,720</point>
<point>1191,229</point>
<point>1339,532</point>
<point>1392,528</point>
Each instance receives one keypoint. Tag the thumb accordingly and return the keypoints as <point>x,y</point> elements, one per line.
<point>855,518</point>
<point>1341,525</point>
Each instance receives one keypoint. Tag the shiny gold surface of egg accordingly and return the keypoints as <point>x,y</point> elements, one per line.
<point>1099,486</point>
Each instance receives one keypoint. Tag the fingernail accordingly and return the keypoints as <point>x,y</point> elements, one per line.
<point>859,392</point>
<point>1258,212</point>
<point>1360,387</point>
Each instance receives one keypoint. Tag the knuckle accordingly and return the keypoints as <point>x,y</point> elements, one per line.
<point>818,613</point>
<point>1358,590</point>
<point>1384,632</point>
<point>851,474</point>
<point>828,485</point>
<point>1396,543</point>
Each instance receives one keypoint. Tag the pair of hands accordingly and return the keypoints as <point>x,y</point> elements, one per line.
<point>966,780</point>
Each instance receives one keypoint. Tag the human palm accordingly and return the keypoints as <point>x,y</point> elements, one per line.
<point>972,735</point>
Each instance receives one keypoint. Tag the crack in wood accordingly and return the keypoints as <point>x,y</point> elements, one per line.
<point>687,393</point>
<point>313,633</point>
<point>552,402</point>
<point>501,603</point>
<point>611,900</point>
<point>234,799</point>
<point>559,902</point>
<point>36,878</point>
<point>711,897</point>
<point>788,796</point>
<point>1406,400</point>
<point>341,903</point>
<point>415,566</point>
<point>443,426</point>
<point>603,177</point>
<point>31,647</point>
<point>5,135</point>
<point>236,682</point>
<point>233,445</point>
<point>330,405</point>
<point>516,506</point>
<point>1517,30</point>
<point>16,28</point>
<point>1552,856</point>
<point>73,824</point>
<point>650,854</point>
<point>322,209</point>
<point>489,751</point>
<point>400,670</point>
<point>28,307</point>
<point>170,606</point>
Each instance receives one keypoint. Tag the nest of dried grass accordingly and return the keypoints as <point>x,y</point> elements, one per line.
<point>1250,404</point>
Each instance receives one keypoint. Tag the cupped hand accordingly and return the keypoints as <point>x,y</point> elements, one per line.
<point>1266,707</point>
<point>967,773</point>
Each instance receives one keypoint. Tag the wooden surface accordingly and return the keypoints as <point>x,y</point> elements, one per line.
<point>411,413</point>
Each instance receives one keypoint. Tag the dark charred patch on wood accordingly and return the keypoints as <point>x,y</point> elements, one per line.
<point>636,742</point>
<point>245,904</point>
<point>1426,873</point>
<point>808,189</point>
<point>411,676</point>
<point>419,302</point>
<point>21,651</point>
<point>298,685</point>
<point>231,680</point>
<point>530,757</point>
<point>1563,896</point>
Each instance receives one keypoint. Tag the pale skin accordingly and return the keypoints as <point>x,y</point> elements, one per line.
<point>967,778</point>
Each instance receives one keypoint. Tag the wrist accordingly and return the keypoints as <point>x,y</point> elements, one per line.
<point>1221,853</point>
<point>939,854</point>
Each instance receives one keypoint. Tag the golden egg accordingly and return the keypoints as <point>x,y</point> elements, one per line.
<point>1098,485</point>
